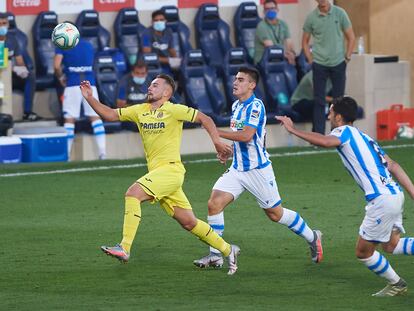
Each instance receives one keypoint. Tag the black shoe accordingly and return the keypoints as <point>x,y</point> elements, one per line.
<point>31,116</point>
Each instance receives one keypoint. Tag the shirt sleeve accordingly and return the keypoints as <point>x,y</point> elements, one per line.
<point>345,21</point>
<point>254,114</point>
<point>307,26</point>
<point>261,32</point>
<point>184,113</point>
<point>130,113</point>
<point>146,39</point>
<point>343,133</point>
<point>286,30</point>
<point>16,48</point>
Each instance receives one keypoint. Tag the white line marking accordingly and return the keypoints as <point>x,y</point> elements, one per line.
<point>103,168</point>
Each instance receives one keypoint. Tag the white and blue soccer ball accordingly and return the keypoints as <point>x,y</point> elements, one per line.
<point>404,131</point>
<point>65,36</point>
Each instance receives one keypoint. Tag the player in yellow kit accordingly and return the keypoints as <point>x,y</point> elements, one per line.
<point>160,125</point>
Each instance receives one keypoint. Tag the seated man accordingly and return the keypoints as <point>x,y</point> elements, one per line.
<point>22,78</point>
<point>159,39</point>
<point>133,87</point>
<point>273,31</point>
<point>302,99</point>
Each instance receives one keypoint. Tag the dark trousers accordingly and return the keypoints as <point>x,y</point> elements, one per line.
<point>321,73</point>
<point>27,86</point>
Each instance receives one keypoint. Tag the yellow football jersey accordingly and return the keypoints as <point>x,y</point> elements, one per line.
<point>161,130</point>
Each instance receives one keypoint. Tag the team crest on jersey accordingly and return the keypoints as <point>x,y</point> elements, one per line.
<point>160,115</point>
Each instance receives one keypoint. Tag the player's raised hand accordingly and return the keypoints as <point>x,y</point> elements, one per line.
<point>86,89</point>
<point>286,122</point>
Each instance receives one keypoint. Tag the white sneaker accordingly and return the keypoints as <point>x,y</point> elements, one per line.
<point>396,289</point>
<point>232,258</point>
<point>211,260</point>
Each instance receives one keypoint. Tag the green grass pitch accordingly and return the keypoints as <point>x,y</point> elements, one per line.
<point>52,226</point>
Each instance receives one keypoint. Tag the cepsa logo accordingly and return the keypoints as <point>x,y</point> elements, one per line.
<point>112,5</point>
<point>27,7</point>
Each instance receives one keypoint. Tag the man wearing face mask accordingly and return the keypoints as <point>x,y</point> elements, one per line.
<point>273,31</point>
<point>133,87</point>
<point>159,39</point>
<point>22,78</point>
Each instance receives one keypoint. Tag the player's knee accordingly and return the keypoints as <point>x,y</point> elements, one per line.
<point>214,206</point>
<point>188,224</point>
<point>390,246</point>
<point>362,253</point>
<point>275,213</point>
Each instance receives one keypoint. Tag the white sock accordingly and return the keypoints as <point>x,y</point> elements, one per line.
<point>99,132</point>
<point>70,129</point>
<point>297,224</point>
<point>217,223</point>
<point>378,264</point>
<point>405,246</point>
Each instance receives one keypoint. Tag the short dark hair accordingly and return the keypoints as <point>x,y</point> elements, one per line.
<point>170,81</point>
<point>3,15</point>
<point>270,1</point>
<point>252,72</point>
<point>347,107</point>
<point>157,12</point>
<point>140,63</point>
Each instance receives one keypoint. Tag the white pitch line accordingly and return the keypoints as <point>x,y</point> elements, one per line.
<point>102,168</point>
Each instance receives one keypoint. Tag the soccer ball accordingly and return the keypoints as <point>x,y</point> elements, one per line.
<point>404,131</point>
<point>65,36</point>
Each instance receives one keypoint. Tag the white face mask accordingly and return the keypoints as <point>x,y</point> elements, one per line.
<point>139,80</point>
<point>159,25</point>
<point>3,30</point>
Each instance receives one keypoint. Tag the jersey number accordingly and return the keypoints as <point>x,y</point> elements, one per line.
<point>379,153</point>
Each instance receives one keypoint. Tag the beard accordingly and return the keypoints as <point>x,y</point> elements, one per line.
<point>152,99</point>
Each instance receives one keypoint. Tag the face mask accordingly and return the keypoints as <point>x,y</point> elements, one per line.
<point>3,30</point>
<point>139,80</point>
<point>159,26</point>
<point>271,14</point>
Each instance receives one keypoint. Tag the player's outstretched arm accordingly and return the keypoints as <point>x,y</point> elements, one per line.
<point>244,135</point>
<point>221,148</point>
<point>102,110</point>
<point>316,139</point>
<point>398,172</point>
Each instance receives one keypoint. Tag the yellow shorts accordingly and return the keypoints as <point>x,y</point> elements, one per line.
<point>165,185</point>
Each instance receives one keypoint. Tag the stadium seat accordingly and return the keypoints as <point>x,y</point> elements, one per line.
<point>181,33</point>
<point>128,30</point>
<point>91,30</point>
<point>279,80</point>
<point>21,39</point>
<point>212,35</point>
<point>245,22</point>
<point>235,58</point>
<point>44,49</point>
<point>302,65</point>
<point>106,79</point>
<point>153,65</point>
<point>201,88</point>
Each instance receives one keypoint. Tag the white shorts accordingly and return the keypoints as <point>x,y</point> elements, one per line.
<point>259,182</point>
<point>382,215</point>
<point>72,101</point>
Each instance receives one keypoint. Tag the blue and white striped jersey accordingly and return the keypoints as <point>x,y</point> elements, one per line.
<point>364,160</point>
<point>253,154</point>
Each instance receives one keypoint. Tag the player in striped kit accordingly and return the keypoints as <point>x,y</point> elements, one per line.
<point>251,170</point>
<point>371,168</point>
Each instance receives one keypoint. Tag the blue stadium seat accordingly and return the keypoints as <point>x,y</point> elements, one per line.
<point>21,39</point>
<point>212,35</point>
<point>279,79</point>
<point>91,30</point>
<point>245,22</point>
<point>44,49</point>
<point>235,58</point>
<point>181,33</point>
<point>153,65</point>
<point>201,88</point>
<point>128,30</point>
<point>106,79</point>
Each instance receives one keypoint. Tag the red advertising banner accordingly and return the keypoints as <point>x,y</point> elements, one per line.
<point>194,3</point>
<point>27,7</point>
<point>112,5</point>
